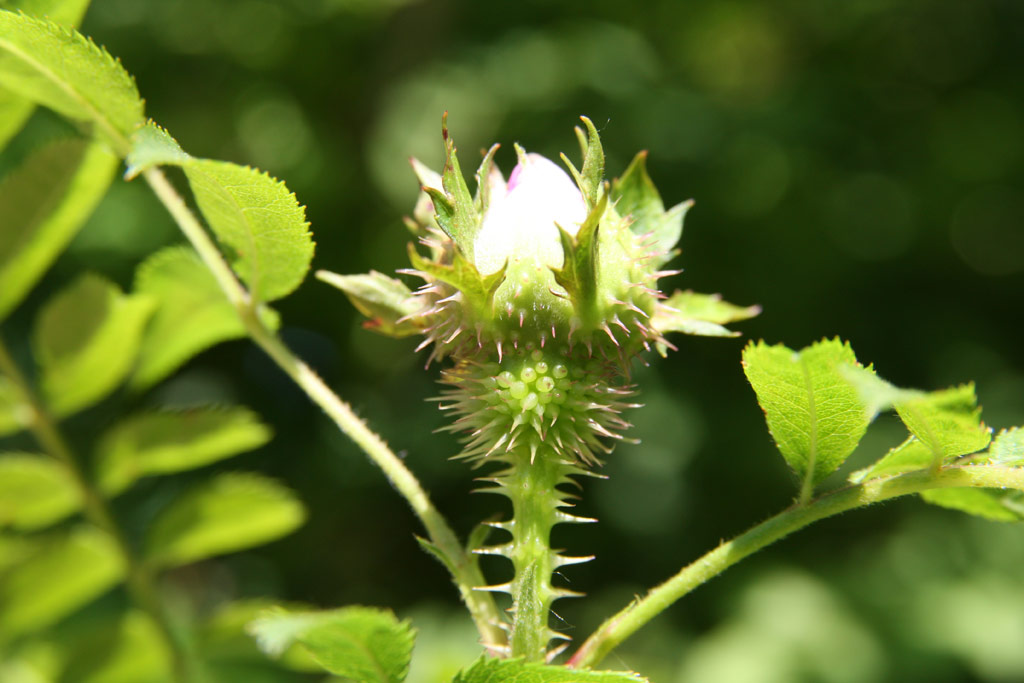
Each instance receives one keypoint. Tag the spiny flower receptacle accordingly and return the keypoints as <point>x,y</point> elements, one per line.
<point>542,289</point>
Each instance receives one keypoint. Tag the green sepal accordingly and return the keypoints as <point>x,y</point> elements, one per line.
<point>698,314</point>
<point>581,254</point>
<point>815,416</point>
<point>463,223</point>
<point>85,340</point>
<point>477,289</point>
<point>589,179</point>
<point>484,176</point>
<point>35,491</point>
<point>390,306</point>
<point>362,643</point>
<point>634,195</point>
<point>150,444</point>
<point>43,203</point>
<point>489,670</point>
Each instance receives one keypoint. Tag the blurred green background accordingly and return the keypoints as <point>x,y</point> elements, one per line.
<point>858,167</point>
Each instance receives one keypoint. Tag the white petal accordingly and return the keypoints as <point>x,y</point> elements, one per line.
<point>521,225</point>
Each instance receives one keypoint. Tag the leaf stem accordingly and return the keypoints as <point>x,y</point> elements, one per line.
<point>619,627</point>
<point>464,571</point>
<point>138,577</point>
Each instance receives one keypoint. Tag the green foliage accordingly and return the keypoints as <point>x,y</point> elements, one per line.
<point>58,67</point>
<point>66,573</point>
<point>85,341</point>
<point>130,650</point>
<point>35,491</point>
<point>14,112</point>
<point>230,512</point>
<point>361,643</point>
<point>14,109</point>
<point>910,455</point>
<point>947,422</point>
<point>12,407</point>
<point>519,671</point>
<point>815,416</point>
<point>255,215</point>
<point>1008,448</point>
<point>387,302</point>
<point>44,203</point>
<point>161,443</point>
<point>995,505</point>
<point>191,315</point>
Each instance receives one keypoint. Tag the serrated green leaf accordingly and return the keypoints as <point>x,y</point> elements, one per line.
<point>192,314</point>
<point>230,512</point>
<point>61,577</point>
<point>14,109</point>
<point>61,69</point>
<point>580,258</point>
<point>35,491</point>
<point>161,443</point>
<point>44,203</point>
<point>85,341</point>
<point>488,670</point>
<point>948,422</point>
<point>153,146</point>
<point>477,290</point>
<point>634,195</point>
<point>63,12</point>
<point>699,314</point>
<point>361,643</point>
<point>992,504</point>
<point>260,219</point>
<point>390,306</point>
<point>1007,448</point>
<point>909,456</point>
<point>252,213</point>
<point>815,416</point>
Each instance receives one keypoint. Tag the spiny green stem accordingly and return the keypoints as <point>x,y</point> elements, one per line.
<point>619,627</point>
<point>530,483</point>
<point>466,575</point>
<point>140,581</point>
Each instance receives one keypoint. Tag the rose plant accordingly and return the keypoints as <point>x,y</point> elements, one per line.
<point>536,294</point>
